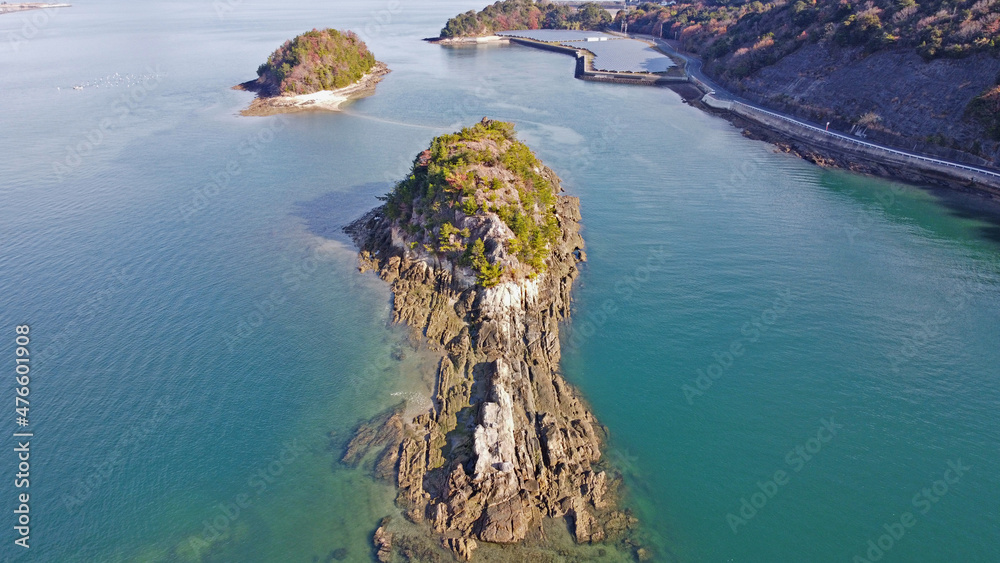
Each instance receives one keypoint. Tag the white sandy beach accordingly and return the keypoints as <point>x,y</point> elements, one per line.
<point>324,100</point>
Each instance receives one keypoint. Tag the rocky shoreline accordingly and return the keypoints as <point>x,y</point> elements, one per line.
<point>508,446</point>
<point>324,100</point>
<point>830,157</point>
<point>468,40</point>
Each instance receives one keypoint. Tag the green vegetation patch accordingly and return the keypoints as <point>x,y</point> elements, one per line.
<point>316,60</point>
<point>472,178</point>
<point>509,15</point>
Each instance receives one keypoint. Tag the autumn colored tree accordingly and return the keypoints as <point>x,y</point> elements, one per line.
<point>507,15</point>
<point>316,60</point>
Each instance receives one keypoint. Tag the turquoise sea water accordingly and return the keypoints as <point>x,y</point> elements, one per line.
<point>202,341</point>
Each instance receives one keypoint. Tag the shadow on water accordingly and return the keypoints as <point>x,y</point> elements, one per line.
<point>327,215</point>
<point>915,204</point>
<point>973,207</point>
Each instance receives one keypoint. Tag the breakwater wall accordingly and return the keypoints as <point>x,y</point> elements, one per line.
<point>546,46</point>
<point>625,78</point>
<point>901,164</point>
<point>585,70</point>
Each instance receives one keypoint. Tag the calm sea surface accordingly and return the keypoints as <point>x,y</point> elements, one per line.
<point>788,359</point>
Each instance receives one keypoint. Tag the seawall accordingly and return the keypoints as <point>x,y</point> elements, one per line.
<point>585,70</point>
<point>833,149</point>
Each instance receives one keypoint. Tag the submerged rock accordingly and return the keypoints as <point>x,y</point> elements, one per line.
<point>383,543</point>
<point>461,547</point>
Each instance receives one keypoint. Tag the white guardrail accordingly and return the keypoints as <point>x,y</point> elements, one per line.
<point>872,145</point>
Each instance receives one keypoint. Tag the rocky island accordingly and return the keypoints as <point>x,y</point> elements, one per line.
<point>318,70</point>
<point>481,251</point>
<point>10,8</point>
<point>509,15</point>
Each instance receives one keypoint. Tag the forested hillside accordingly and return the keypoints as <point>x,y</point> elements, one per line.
<point>909,72</point>
<point>509,15</point>
<point>755,34</point>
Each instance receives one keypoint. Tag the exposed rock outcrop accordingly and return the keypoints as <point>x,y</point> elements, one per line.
<point>383,543</point>
<point>507,442</point>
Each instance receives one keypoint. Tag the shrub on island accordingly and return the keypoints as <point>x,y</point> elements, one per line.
<point>481,199</point>
<point>316,60</point>
<point>508,15</point>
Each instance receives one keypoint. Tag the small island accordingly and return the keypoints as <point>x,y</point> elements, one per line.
<point>10,8</point>
<point>481,250</point>
<point>510,15</point>
<point>318,70</point>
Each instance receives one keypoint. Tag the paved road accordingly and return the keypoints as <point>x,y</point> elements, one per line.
<point>693,68</point>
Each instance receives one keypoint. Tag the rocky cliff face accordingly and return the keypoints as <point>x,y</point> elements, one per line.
<point>911,103</point>
<point>508,443</point>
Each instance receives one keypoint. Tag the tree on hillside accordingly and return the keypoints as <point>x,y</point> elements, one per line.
<point>507,15</point>
<point>592,16</point>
